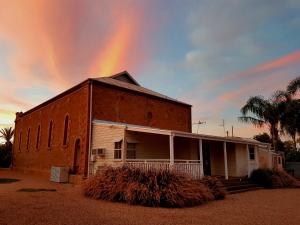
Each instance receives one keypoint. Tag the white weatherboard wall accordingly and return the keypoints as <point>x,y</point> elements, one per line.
<point>105,136</point>
<point>241,160</point>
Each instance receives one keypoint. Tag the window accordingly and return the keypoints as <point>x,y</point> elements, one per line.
<point>38,137</point>
<point>131,150</point>
<point>20,140</point>
<point>66,130</point>
<point>28,139</point>
<point>50,134</point>
<point>118,150</point>
<point>251,153</point>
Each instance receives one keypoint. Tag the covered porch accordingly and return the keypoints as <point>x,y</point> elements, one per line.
<point>191,154</point>
<point>195,155</point>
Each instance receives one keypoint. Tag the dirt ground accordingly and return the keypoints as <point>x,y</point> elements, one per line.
<point>68,206</point>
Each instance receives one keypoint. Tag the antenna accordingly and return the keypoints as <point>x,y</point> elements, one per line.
<point>223,125</point>
<point>199,123</point>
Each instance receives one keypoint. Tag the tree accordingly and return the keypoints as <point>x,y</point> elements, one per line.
<point>260,112</point>
<point>289,109</point>
<point>264,137</point>
<point>7,134</point>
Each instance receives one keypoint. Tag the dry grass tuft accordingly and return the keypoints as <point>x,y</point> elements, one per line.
<point>150,188</point>
<point>283,179</point>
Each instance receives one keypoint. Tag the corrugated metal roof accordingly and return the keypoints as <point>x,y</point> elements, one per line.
<point>136,88</point>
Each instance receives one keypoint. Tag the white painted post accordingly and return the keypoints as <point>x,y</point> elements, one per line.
<point>124,148</point>
<point>201,158</point>
<point>256,157</point>
<point>171,143</point>
<point>225,160</point>
<point>248,159</point>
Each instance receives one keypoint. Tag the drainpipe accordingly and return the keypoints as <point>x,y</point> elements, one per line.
<point>90,127</point>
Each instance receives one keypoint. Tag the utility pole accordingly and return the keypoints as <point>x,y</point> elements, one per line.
<point>232,131</point>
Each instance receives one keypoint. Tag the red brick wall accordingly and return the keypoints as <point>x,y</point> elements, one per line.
<point>122,106</point>
<point>75,105</point>
<point>109,103</point>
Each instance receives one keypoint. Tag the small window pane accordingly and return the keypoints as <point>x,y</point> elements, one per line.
<point>118,150</point>
<point>251,153</point>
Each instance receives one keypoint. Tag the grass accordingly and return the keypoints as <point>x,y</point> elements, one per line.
<point>7,180</point>
<point>151,188</point>
<point>36,190</point>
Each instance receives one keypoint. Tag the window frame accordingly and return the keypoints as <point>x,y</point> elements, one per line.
<point>20,141</point>
<point>66,131</point>
<point>28,139</point>
<point>118,150</point>
<point>252,155</point>
<point>38,137</point>
<point>50,130</point>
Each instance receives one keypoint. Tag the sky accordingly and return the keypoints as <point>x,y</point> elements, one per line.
<point>211,54</point>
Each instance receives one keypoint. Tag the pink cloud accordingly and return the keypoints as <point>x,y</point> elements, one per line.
<point>270,66</point>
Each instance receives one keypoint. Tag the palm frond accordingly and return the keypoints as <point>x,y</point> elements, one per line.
<point>293,86</point>
<point>281,96</point>
<point>255,105</point>
<point>255,121</point>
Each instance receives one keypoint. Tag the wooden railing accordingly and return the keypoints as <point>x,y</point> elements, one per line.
<point>191,168</point>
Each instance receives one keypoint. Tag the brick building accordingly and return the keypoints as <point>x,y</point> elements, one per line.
<point>58,132</point>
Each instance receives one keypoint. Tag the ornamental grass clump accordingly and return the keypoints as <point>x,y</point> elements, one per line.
<point>149,188</point>
<point>274,179</point>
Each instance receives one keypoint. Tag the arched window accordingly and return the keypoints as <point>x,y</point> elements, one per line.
<point>65,140</point>
<point>28,139</point>
<point>20,140</point>
<point>38,137</point>
<point>50,134</point>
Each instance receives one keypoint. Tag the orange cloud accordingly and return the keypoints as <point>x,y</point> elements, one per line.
<point>58,43</point>
<point>110,58</point>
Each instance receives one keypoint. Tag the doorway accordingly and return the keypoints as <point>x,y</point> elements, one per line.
<point>77,152</point>
<point>206,158</point>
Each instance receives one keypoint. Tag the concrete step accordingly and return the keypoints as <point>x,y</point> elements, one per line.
<point>240,187</point>
<point>244,190</point>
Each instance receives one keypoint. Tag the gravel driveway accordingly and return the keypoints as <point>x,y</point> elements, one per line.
<point>68,206</point>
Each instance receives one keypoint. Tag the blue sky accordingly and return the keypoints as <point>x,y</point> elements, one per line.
<point>212,54</point>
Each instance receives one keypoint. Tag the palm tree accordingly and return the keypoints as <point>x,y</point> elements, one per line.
<point>261,112</point>
<point>7,134</point>
<point>290,109</point>
<point>293,86</point>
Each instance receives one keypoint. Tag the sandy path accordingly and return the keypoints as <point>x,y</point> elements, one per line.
<point>68,206</point>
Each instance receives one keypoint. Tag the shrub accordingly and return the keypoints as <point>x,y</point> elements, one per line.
<point>150,188</point>
<point>216,187</point>
<point>283,179</point>
<point>262,177</point>
<point>293,156</point>
<point>5,156</point>
<point>273,179</point>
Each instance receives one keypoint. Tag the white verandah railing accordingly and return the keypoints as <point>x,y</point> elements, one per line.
<point>190,168</point>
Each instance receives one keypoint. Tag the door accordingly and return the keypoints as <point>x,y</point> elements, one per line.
<point>77,152</point>
<point>206,159</point>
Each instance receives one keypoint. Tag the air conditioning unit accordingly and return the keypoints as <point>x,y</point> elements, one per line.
<point>93,158</point>
<point>59,174</point>
<point>101,151</point>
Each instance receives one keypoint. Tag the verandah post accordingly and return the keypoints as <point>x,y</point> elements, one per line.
<point>225,160</point>
<point>248,159</point>
<point>201,158</point>
<point>171,144</point>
